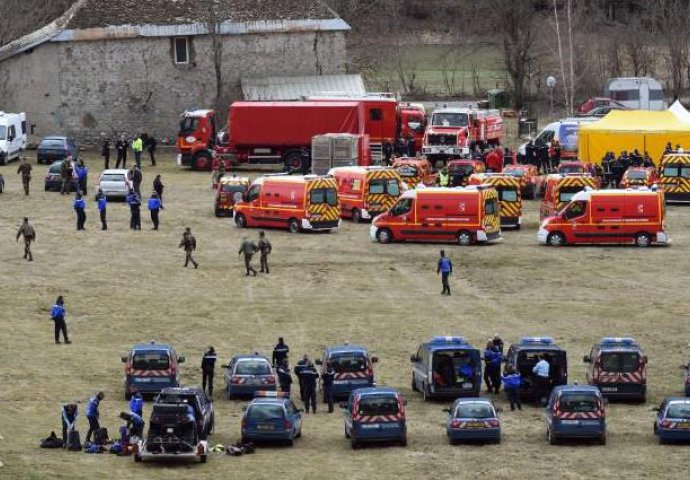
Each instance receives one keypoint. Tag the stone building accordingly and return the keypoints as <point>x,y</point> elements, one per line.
<point>134,65</point>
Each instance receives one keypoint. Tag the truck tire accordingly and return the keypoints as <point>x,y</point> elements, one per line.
<point>643,240</point>
<point>202,161</point>
<point>384,236</point>
<point>356,216</point>
<point>292,161</point>
<point>464,238</point>
<point>553,440</point>
<point>556,239</point>
<point>240,220</point>
<point>294,226</point>
<point>602,440</point>
<point>202,458</point>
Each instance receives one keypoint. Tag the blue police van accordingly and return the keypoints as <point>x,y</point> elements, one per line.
<point>375,414</point>
<point>524,355</point>
<point>575,411</point>
<point>353,367</point>
<point>151,367</point>
<point>618,366</point>
<point>271,416</point>
<point>447,367</point>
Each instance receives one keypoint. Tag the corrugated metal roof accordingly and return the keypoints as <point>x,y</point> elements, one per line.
<point>294,88</point>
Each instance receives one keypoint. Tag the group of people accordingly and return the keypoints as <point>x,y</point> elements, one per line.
<point>249,248</point>
<point>143,141</point>
<point>403,147</point>
<point>546,157</point>
<point>614,167</point>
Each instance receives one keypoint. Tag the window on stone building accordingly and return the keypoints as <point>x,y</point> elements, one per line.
<point>182,50</point>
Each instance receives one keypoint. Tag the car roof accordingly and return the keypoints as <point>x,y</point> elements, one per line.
<point>54,137</point>
<point>152,346</point>
<point>270,401</point>
<point>577,389</point>
<point>249,356</point>
<point>115,170</point>
<point>346,349</point>
<point>458,401</point>
<point>375,391</point>
<point>677,399</point>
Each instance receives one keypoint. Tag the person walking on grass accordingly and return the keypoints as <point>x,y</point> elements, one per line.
<point>188,242</point>
<point>25,170</point>
<point>58,314</point>
<point>27,231</point>
<point>264,250</point>
<point>248,248</point>
<point>445,268</point>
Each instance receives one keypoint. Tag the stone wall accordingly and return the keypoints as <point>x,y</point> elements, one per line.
<point>86,88</point>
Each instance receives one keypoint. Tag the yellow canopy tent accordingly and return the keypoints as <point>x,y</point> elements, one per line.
<point>633,129</point>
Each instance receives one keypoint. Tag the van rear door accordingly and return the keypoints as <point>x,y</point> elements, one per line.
<point>456,371</point>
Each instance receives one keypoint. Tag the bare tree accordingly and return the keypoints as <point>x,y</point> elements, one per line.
<point>213,21</point>
<point>671,25</point>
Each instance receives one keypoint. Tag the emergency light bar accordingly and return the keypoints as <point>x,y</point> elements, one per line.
<point>449,340</point>
<point>618,342</point>
<point>537,340</point>
<point>270,394</point>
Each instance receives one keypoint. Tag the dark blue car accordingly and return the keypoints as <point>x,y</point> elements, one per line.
<point>375,414</point>
<point>575,411</point>
<point>353,367</point>
<point>672,421</point>
<point>53,179</point>
<point>473,419</point>
<point>151,367</point>
<point>271,416</point>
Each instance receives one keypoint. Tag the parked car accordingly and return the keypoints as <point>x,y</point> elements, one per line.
<point>114,183</point>
<point>603,110</point>
<point>196,397</point>
<point>56,148</point>
<point>151,367</point>
<point>673,420</point>
<point>271,416</point>
<point>248,374</point>
<point>53,180</point>
<point>599,102</point>
<point>473,419</point>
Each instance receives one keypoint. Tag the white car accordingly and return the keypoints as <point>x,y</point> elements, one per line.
<point>114,183</point>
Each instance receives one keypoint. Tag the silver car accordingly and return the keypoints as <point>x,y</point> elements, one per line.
<point>114,183</point>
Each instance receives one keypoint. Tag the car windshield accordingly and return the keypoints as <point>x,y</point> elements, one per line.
<point>228,188</point>
<point>571,169</point>
<point>265,412</point>
<point>580,402</point>
<point>348,362</point>
<point>381,186</point>
<point>623,362</point>
<point>378,405</point>
<point>671,171</point>
<point>449,120</point>
<point>319,196</point>
<point>637,175</point>
<point>474,410</point>
<point>508,195</point>
<point>491,206</point>
<point>679,410</point>
<point>150,360</point>
<point>112,177</point>
<point>3,132</point>
<point>57,168</point>
<point>517,172</point>
<point>252,367</point>
<point>461,169</point>
<point>52,143</point>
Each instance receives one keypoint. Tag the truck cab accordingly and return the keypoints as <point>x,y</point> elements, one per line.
<point>195,139</point>
<point>524,355</point>
<point>618,367</point>
<point>446,367</point>
<point>414,171</point>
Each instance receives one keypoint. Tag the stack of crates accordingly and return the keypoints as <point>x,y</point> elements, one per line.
<point>333,150</point>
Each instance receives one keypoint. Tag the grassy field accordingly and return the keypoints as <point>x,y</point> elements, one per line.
<point>123,287</point>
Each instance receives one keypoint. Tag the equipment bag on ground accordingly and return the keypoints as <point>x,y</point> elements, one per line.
<point>73,441</point>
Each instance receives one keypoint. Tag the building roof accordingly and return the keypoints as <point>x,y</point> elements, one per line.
<point>296,88</point>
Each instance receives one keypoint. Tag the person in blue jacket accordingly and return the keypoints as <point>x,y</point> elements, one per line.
<point>136,403</point>
<point>445,268</point>
<point>134,203</point>
<point>57,315</point>
<point>82,172</point>
<point>79,207</point>
<point>512,381</point>
<point>154,208</point>
<point>135,423</point>
<point>492,368</point>
<point>92,414</point>
<point>102,208</point>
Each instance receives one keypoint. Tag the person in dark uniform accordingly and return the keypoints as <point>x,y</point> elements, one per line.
<point>264,250</point>
<point>387,152</point>
<point>158,188</point>
<point>284,376</point>
<point>66,172</point>
<point>70,412</point>
<point>208,365</point>
<point>58,314</point>
<point>27,231</point>
<point>328,377</point>
<point>647,161</point>
<point>299,367</point>
<point>79,207</point>
<point>134,210</point>
<point>188,242</point>
<point>305,160</point>
<point>105,153</point>
<point>135,423</point>
<point>280,352</point>
<point>150,144</point>
<point>121,148</point>
<point>635,159</point>
<point>309,377</point>
<point>497,342</point>
<point>102,208</point>
<point>92,414</point>
<point>248,248</point>
<point>530,154</point>
<point>25,170</point>
<point>154,207</point>
<point>411,147</point>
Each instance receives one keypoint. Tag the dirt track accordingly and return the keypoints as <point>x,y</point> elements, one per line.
<point>123,287</point>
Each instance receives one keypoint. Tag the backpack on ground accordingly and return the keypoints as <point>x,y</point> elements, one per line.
<point>100,436</point>
<point>73,441</point>
<point>52,441</point>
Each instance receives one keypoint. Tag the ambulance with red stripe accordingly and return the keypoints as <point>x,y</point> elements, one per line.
<point>560,190</point>
<point>618,367</point>
<point>295,202</point>
<point>151,367</point>
<point>353,367</point>
<point>509,197</point>
<point>365,192</point>
<point>375,414</point>
<point>575,411</point>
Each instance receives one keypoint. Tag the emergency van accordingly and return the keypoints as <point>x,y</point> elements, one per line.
<point>575,411</point>
<point>353,365</point>
<point>230,189</point>
<point>609,216</point>
<point>151,367</point>
<point>12,136</point>
<point>674,177</point>
<point>294,202</point>
<point>524,355</point>
<point>414,171</point>
<point>509,197</point>
<point>639,177</point>
<point>560,189</point>
<point>447,367</point>
<point>375,414</point>
<point>365,192</point>
<point>618,367</point>
<point>467,215</point>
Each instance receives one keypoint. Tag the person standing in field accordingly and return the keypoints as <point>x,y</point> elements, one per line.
<point>121,147</point>
<point>25,170</point>
<point>102,208</point>
<point>264,250</point>
<point>189,244</point>
<point>248,248</point>
<point>138,148</point>
<point>445,268</point>
<point>27,231</point>
<point>79,207</point>
<point>154,207</point>
<point>105,153</point>
<point>58,314</point>
<point>208,366</point>
<point>158,188</point>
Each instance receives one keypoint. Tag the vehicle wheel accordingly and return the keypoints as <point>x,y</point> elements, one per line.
<point>218,212</point>
<point>293,161</point>
<point>414,385</point>
<point>464,238</point>
<point>552,438</point>
<point>47,189</point>
<point>602,440</point>
<point>240,220</point>
<point>299,434</point>
<point>556,239</point>
<point>354,444</point>
<point>403,441</point>
<point>643,240</point>
<point>356,216</point>
<point>202,161</point>
<point>518,226</point>
<point>137,457</point>
<point>347,435</point>
<point>384,236</point>
<point>202,459</point>
<point>244,440</point>
<point>294,226</point>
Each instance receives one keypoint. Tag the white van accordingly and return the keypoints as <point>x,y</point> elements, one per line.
<point>565,131</point>
<point>12,136</point>
<point>636,93</point>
